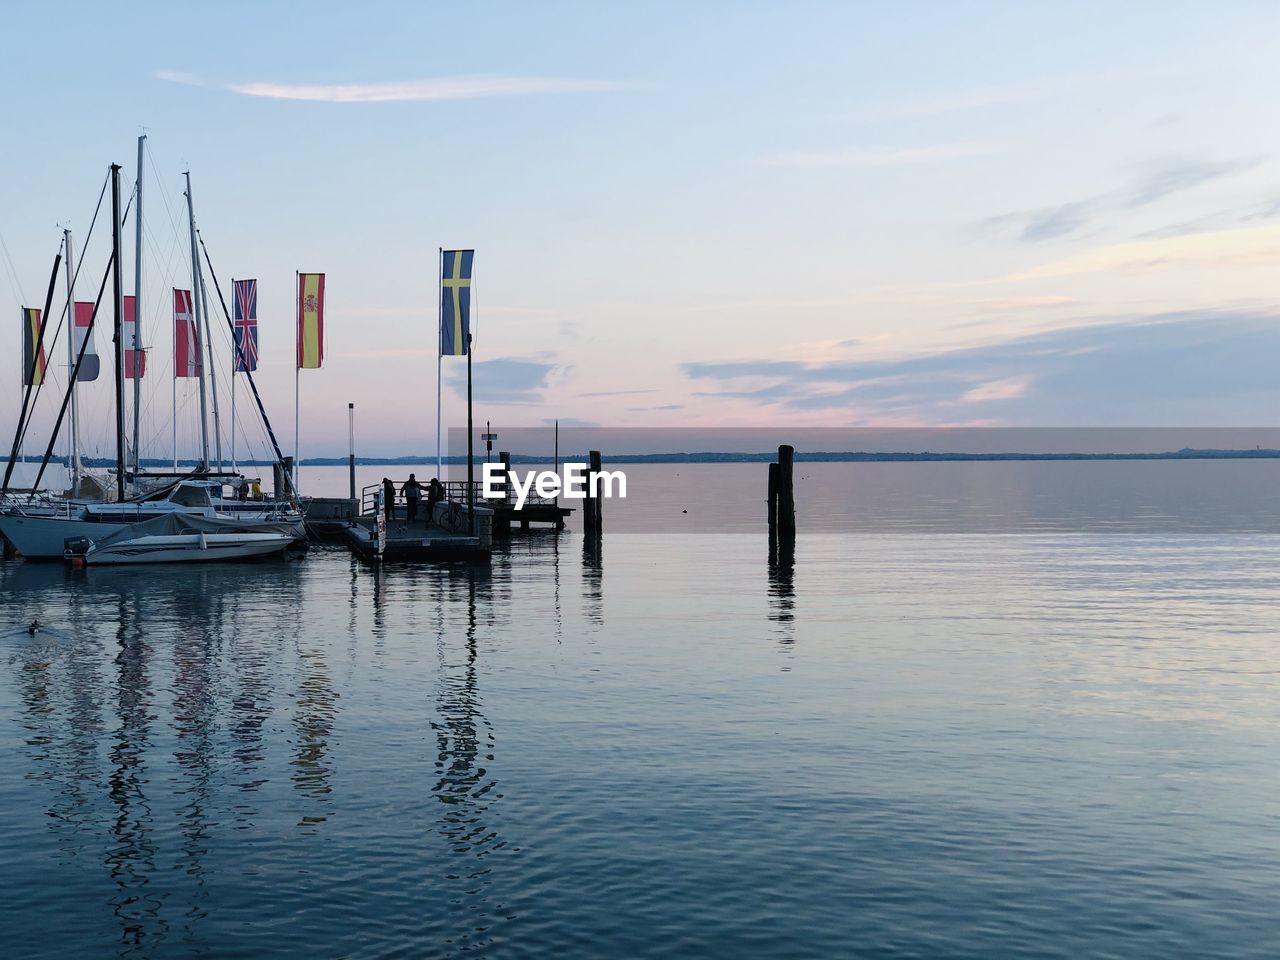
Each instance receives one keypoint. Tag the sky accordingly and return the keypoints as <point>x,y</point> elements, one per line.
<point>709,214</point>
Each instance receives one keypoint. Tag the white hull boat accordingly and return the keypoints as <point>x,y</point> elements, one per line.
<point>39,533</point>
<point>184,539</point>
<point>188,548</point>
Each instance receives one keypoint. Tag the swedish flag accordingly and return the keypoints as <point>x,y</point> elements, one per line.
<point>455,302</point>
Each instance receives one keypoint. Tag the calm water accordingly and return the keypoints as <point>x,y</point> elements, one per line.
<point>1179,496</point>
<point>904,743</point>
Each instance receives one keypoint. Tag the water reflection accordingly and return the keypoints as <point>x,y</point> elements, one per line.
<point>782,593</point>
<point>593,576</point>
<point>174,724</point>
<point>464,749</point>
<point>131,857</point>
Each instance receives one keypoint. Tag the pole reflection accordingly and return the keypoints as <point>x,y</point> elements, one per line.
<point>464,748</point>
<point>782,593</point>
<point>593,577</point>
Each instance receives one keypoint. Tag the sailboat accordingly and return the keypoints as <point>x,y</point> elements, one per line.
<point>41,526</point>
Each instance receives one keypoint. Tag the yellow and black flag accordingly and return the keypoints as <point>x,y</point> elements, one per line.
<point>33,366</point>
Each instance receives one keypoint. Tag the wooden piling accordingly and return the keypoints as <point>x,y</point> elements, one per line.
<point>504,457</point>
<point>591,512</point>
<point>773,500</point>
<point>786,493</point>
<point>351,449</point>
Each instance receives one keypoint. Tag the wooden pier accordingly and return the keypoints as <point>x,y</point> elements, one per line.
<point>447,534</point>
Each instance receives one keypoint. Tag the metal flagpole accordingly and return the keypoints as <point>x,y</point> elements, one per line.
<point>137,312</point>
<point>174,378</point>
<point>74,459</point>
<point>297,312</point>
<point>118,298</point>
<point>234,364</point>
<point>439,351</point>
<point>471,492</point>
<point>213,371</point>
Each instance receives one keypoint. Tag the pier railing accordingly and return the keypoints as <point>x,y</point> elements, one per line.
<point>454,490</point>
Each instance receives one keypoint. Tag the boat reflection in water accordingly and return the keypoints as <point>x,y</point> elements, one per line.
<point>218,741</point>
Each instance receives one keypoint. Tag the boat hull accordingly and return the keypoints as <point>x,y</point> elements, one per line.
<point>45,538</point>
<point>188,548</point>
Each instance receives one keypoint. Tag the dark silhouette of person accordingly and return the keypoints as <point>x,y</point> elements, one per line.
<point>412,491</point>
<point>435,493</point>
<point>389,498</point>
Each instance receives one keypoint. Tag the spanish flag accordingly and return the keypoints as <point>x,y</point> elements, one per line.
<point>32,366</point>
<point>310,320</point>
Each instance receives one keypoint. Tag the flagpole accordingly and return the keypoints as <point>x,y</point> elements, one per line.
<point>213,370</point>
<point>71,365</point>
<point>471,492</point>
<point>439,350</point>
<point>297,299</point>
<point>137,314</point>
<point>234,364</point>
<point>173,329</point>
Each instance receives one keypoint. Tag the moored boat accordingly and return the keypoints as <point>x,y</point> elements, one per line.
<point>180,538</point>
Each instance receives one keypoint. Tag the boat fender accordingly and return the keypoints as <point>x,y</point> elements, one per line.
<point>204,544</point>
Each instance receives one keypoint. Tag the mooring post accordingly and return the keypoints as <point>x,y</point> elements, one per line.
<point>588,509</point>
<point>351,454</point>
<point>786,493</point>
<point>504,457</point>
<point>593,471</point>
<point>773,500</point>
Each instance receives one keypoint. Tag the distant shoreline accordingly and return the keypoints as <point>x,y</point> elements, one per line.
<point>769,457</point>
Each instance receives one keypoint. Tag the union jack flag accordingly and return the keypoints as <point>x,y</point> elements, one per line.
<point>246,326</point>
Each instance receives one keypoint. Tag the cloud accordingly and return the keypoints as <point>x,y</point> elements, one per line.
<point>507,380</point>
<point>1154,184</point>
<point>180,76</point>
<point>569,422</point>
<point>469,87</point>
<point>880,156</point>
<point>1181,369</point>
<point>1009,388</point>
<point>615,393</point>
<point>1223,219</point>
<point>1226,248</point>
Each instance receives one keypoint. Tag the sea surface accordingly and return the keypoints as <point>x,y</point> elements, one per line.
<point>984,710</point>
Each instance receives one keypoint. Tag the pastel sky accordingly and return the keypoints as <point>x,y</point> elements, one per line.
<point>820,214</point>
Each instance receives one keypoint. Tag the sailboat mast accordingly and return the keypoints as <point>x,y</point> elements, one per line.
<point>195,305</point>
<point>213,371</point>
<point>117,291</point>
<point>137,312</point>
<point>73,461</point>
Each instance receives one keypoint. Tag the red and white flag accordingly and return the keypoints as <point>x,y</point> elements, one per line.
<point>186,340</point>
<point>135,360</point>
<point>89,366</point>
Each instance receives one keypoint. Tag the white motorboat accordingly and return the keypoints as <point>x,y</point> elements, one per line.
<point>42,530</point>
<point>179,538</point>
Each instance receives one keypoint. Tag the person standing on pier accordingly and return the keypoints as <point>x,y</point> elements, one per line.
<point>389,498</point>
<point>435,493</point>
<point>412,491</point>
